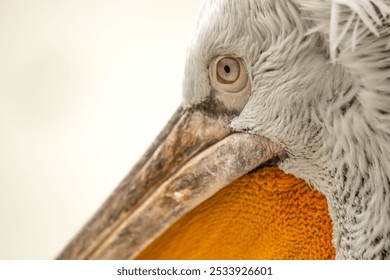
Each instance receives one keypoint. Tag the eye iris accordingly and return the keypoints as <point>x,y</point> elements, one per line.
<point>228,70</point>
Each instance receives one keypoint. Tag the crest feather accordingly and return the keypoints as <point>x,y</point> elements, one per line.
<point>358,36</point>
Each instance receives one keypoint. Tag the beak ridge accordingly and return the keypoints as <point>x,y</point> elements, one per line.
<point>193,157</point>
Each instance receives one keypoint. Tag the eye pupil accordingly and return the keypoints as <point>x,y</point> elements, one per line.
<point>227,69</point>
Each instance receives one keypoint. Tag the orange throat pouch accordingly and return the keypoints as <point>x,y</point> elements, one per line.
<point>266,214</point>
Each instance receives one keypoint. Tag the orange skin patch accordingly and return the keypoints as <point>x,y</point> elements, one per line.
<point>266,214</point>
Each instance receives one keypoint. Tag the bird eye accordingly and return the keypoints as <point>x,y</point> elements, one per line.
<point>228,70</point>
<point>230,81</point>
<point>228,74</point>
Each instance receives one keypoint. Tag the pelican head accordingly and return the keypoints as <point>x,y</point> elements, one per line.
<point>305,84</point>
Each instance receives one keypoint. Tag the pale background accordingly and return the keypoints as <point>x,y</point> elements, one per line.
<point>85,86</point>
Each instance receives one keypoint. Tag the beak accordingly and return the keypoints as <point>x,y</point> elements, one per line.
<point>194,156</point>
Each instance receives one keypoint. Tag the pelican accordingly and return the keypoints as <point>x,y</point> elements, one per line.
<point>292,91</point>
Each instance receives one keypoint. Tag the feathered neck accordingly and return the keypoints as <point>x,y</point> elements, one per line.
<point>359,200</point>
<point>357,34</point>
